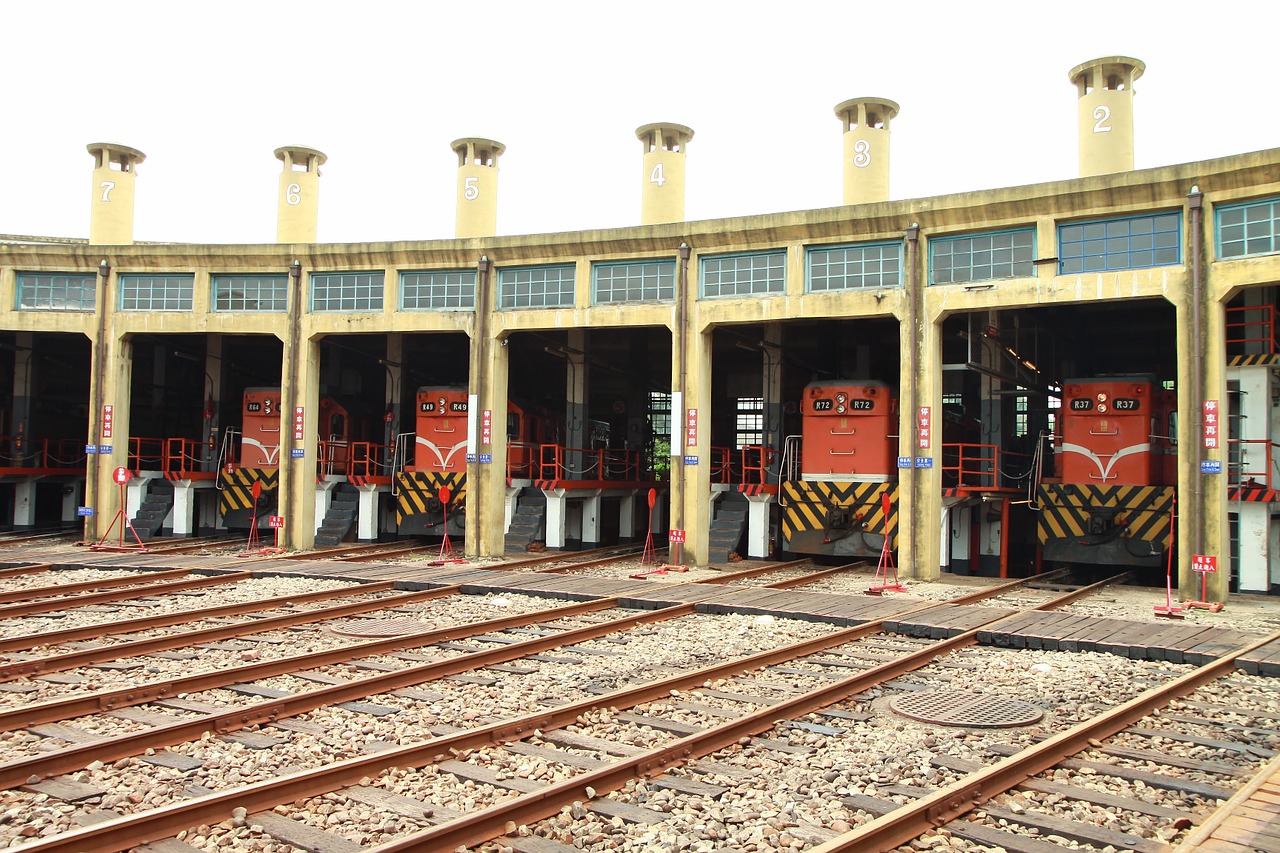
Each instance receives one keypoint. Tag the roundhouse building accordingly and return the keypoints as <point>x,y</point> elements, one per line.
<point>602,386</point>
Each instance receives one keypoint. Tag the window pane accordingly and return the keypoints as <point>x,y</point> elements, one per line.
<point>56,291</point>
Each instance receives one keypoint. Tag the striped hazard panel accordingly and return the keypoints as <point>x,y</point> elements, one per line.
<point>1253,492</point>
<point>418,492</point>
<point>1084,512</point>
<point>832,509</point>
<point>1251,360</point>
<point>237,488</point>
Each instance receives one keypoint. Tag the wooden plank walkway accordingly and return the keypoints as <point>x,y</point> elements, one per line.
<point>1174,642</point>
<point>1249,822</point>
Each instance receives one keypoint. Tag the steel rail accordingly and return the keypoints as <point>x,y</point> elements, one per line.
<point>129,626</point>
<point>73,601</point>
<point>136,648</point>
<point>129,831</point>
<point>85,586</point>
<point>730,577</point>
<point>28,569</point>
<point>901,825</point>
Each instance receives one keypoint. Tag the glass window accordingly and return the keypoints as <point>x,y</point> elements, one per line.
<point>1248,229</point>
<point>251,293</point>
<point>536,287</point>
<point>638,281</point>
<point>164,292</point>
<point>1120,244</point>
<point>743,275</point>
<point>982,257</point>
<point>39,291</point>
<point>438,291</point>
<point>346,291</point>
<point>849,267</point>
<point>749,427</point>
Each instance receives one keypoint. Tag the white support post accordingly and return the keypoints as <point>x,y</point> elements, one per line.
<point>367,514</point>
<point>591,519</point>
<point>24,503</point>
<point>510,504</point>
<point>184,497</point>
<point>556,517</point>
<point>758,526</point>
<point>627,516</point>
<point>71,505</point>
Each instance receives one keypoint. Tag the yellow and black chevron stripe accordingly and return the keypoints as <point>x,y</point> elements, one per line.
<point>1123,525</point>
<point>237,488</point>
<point>1252,360</point>
<point>418,494</point>
<point>837,517</point>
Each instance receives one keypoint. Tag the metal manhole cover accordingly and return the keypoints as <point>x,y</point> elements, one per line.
<point>961,708</point>
<point>393,627</point>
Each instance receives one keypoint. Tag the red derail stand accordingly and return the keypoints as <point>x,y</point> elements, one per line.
<point>121,476</point>
<point>882,583</point>
<point>446,547</point>
<point>251,548</point>
<point>1170,609</point>
<point>650,556</point>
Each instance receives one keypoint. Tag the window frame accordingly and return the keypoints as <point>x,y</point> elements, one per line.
<point>184,283</point>
<point>282,282</point>
<point>811,251</point>
<point>380,291</point>
<point>952,239</point>
<point>504,299</point>
<point>665,267</point>
<point>780,289</point>
<point>432,288</point>
<point>1105,237</point>
<point>89,282</point>
<point>1219,209</point>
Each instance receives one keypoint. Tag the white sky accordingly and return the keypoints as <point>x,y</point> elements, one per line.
<point>383,88</point>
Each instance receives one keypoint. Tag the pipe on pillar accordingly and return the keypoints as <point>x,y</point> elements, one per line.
<point>478,485</point>
<point>288,398</point>
<point>912,234</point>
<point>95,412</point>
<point>682,343</point>
<point>1195,205</point>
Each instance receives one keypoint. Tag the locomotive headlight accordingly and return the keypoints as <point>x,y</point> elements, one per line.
<point>1102,407</point>
<point>1102,398</point>
<point>841,397</point>
<point>840,408</point>
<point>440,405</point>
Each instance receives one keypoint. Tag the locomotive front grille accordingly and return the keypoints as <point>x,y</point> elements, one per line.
<point>816,512</point>
<point>1078,523</point>
<point>237,489</point>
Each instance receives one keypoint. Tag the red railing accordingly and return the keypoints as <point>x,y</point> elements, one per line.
<point>756,461</point>
<point>186,457</point>
<point>369,459</point>
<point>522,461</point>
<point>17,451</point>
<point>1253,324</point>
<point>970,466</point>
<point>603,463</point>
<point>1251,471</point>
<point>722,465</point>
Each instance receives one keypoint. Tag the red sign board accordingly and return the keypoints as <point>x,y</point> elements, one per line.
<point>1204,563</point>
<point>1211,423</point>
<point>298,431</point>
<point>277,522</point>
<point>121,475</point>
<point>486,426</point>
<point>691,432</point>
<point>108,420</point>
<point>924,428</point>
<point>675,536</point>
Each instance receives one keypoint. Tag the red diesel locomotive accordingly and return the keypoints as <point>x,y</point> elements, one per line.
<point>1111,497</point>
<point>839,469</point>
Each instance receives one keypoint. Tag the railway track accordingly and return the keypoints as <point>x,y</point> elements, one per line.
<point>445,674</point>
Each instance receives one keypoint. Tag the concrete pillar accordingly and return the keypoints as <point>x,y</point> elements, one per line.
<point>591,518</point>
<point>758,525</point>
<point>299,501</point>
<point>1105,113</point>
<point>24,504</point>
<point>477,212</point>
<point>298,200</point>
<point>184,501</point>
<point>112,193</point>
<point>557,517</point>
<point>866,148</point>
<point>662,193</point>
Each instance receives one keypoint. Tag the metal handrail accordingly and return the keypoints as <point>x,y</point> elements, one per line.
<point>1267,333</point>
